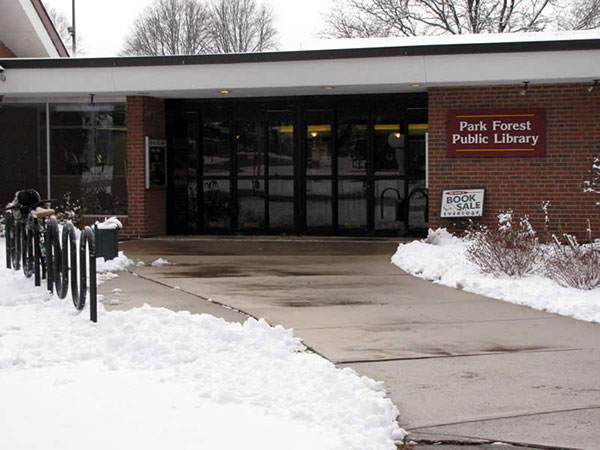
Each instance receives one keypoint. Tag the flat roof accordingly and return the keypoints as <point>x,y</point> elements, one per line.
<point>387,47</point>
<point>416,66</point>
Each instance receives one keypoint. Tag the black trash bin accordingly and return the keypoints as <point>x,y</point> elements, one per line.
<point>107,243</point>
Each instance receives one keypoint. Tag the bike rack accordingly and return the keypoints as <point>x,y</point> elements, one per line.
<point>61,255</point>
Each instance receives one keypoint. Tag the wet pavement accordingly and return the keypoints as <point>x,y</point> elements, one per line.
<point>457,365</point>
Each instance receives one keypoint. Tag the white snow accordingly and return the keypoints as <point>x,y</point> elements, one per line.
<point>160,262</point>
<point>441,258</point>
<point>118,264</point>
<point>112,223</point>
<point>150,378</point>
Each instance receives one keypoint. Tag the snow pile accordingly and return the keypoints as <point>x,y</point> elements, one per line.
<point>151,378</point>
<point>441,258</point>
<point>118,264</point>
<point>112,223</point>
<point>160,262</point>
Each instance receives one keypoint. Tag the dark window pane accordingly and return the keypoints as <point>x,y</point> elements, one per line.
<point>183,196</point>
<point>251,204</point>
<point>216,147</point>
<point>281,204</point>
<point>352,205</point>
<point>281,143</point>
<point>352,145</point>
<point>217,204</point>
<point>250,148</point>
<point>389,205</point>
<point>416,151</point>
<point>23,148</point>
<point>319,204</point>
<point>418,207</point>
<point>389,147</point>
<point>318,143</point>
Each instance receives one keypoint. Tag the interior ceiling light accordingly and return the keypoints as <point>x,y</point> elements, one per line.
<point>525,87</point>
<point>415,85</point>
<point>593,86</point>
<point>224,91</point>
<point>328,88</point>
<point>314,134</point>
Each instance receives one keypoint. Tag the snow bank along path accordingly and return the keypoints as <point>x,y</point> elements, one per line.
<point>441,259</point>
<point>151,378</point>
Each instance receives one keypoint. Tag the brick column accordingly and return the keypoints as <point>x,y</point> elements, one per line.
<point>146,207</point>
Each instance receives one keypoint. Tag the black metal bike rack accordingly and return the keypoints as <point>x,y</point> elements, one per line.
<point>60,263</point>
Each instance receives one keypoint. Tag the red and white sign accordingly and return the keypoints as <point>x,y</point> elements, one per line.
<point>477,133</point>
<point>462,203</point>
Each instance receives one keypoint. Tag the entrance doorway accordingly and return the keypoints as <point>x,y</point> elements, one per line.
<point>318,166</point>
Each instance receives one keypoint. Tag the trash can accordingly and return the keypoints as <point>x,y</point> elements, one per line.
<point>107,242</point>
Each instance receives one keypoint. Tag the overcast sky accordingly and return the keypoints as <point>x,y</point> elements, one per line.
<point>105,23</point>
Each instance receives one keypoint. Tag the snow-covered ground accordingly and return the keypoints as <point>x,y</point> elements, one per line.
<point>441,259</point>
<point>151,378</point>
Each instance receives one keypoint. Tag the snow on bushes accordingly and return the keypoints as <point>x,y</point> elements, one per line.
<point>511,249</point>
<point>442,258</point>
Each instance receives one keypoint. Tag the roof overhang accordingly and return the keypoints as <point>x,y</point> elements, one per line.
<point>27,30</point>
<point>350,71</point>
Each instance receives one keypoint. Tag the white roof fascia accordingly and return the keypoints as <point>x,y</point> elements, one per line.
<point>350,75</point>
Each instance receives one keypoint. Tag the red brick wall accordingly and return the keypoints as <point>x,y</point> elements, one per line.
<point>521,184</point>
<point>146,208</point>
<point>6,52</point>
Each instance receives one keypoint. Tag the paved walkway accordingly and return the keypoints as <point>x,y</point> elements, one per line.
<point>458,365</point>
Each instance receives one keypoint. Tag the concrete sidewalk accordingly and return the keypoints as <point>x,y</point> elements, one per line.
<point>459,366</point>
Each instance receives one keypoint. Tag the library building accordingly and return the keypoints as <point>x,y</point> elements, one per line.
<point>387,140</point>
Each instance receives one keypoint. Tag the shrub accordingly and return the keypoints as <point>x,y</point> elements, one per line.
<point>510,249</point>
<point>573,264</point>
<point>69,209</point>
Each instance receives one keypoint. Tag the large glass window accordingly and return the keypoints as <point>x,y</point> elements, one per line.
<point>88,148</point>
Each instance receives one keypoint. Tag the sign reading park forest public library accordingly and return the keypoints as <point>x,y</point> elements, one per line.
<point>477,133</point>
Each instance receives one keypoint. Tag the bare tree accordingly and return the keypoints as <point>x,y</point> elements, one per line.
<point>380,18</point>
<point>582,15</point>
<point>170,27</point>
<point>188,27</point>
<point>62,25</point>
<point>241,26</point>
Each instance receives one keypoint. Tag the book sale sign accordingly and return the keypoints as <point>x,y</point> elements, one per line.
<point>500,133</point>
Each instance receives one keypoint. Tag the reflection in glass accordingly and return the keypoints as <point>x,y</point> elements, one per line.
<point>216,148</point>
<point>281,204</point>
<point>389,205</point>
<point>416,151</point>
<point>389,148</point>
<point>250,148</point>
<point>281,143</point>
<point>319,208</point>
<point>88,146</point>
<point>217,204</point>
<point>183,216</point>
<point>352,204</point>
<point>418,212</point>
<point>352,145</point>
<point>251,204</point>
<point>318,143</point>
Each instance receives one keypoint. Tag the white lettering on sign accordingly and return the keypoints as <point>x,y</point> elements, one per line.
<point>462,203</point>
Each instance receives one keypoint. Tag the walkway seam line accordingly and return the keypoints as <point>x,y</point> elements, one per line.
<point>515,416</point>
<point>218,303</point>
<point>468,355</point>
